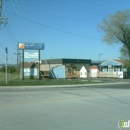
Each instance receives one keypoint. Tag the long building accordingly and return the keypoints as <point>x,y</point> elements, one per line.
<point>71,67</point>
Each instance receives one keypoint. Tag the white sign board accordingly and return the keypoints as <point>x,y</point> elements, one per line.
<point>30,72</point>
<point>30,54</point>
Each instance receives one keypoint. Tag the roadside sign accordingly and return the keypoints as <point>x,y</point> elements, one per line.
<point>31,55</point>
<point>31,46</point>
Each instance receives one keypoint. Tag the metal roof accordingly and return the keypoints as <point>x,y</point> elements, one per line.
<point>111,63</point>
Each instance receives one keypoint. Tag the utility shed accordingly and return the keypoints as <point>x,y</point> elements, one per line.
<point>83,72</point>
<point>94,71</point>
<point>59,72</point>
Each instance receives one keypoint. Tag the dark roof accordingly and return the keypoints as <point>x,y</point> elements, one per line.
<point>51,61</point>
<point>65,60</point>
<point>76,61</point>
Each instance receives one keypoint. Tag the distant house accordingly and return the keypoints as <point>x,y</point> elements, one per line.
<point>83,72</point>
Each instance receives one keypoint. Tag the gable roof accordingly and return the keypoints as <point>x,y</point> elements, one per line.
<point>83,69</point>
<point>111,63</point>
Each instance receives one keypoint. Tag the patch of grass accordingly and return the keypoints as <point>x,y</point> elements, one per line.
<point>13,80</point>
<point>10,76</point>
<point>31,82</point>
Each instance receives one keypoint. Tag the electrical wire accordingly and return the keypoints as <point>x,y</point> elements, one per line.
<point>10,37</point>
<point>75,19</point>
<point>9,32</point>
<point>83,8</point>
<point>2,27</point>
<point>59,8</point>
<point>7,28</point>
<point>52,27</point>
<point>14,7</point>
<point>2,46</point>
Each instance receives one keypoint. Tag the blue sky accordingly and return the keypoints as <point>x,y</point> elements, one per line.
<point>67,27</point>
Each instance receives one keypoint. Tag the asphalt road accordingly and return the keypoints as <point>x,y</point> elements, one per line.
<point>77,108</point>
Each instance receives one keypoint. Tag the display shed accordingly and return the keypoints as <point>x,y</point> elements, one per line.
<point>112,68</point>
<point>58,72</point>
<point>83,72</point>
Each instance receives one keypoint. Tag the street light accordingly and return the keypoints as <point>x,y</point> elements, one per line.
<point>99,57</point>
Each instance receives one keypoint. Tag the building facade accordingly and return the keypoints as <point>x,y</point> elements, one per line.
<point>72,66</point>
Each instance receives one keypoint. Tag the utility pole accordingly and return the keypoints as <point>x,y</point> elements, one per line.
<point>2,20</point>
<point>0,8</point>
<point>0,12</point>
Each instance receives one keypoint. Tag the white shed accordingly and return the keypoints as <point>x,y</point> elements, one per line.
<point>94,71</point>
<point>83,72</point>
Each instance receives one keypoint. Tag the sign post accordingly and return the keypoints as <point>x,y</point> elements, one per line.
<point>6,60</point>
<point>23,65</point>
<point>39,64</point>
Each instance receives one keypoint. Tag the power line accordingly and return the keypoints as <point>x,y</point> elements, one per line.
<point>82,20</point>
<point>10,37</point>
<point>9,31</point>
<point>57,7</point>
<point>74,6</point>
<point>14,7</point>
<point>52,27</point>
<point>2,46</point>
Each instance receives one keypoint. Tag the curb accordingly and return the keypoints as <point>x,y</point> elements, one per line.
<point>60,86</point>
